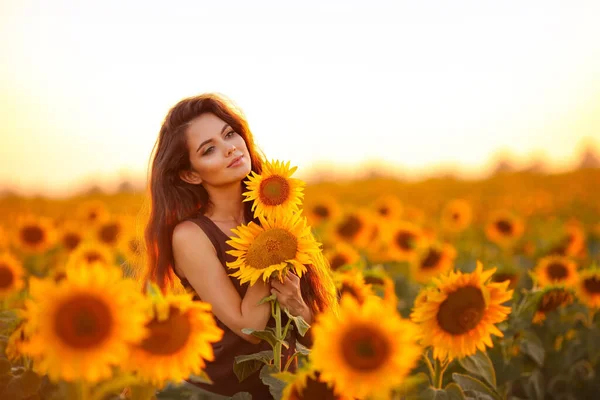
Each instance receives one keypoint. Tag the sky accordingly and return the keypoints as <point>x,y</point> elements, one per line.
<point>418,87</point>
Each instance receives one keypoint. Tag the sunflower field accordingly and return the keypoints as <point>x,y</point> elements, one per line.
<point>449,289</point>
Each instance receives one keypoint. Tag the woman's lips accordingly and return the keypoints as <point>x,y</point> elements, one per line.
<point>236,161</point>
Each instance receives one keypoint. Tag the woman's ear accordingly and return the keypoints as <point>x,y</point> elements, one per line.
<point>190,177</point>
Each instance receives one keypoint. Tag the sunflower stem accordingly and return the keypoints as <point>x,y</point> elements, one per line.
<point>429,366</point>
<point>440,368</point>
<point>277,349</point>
<point>82,389</point>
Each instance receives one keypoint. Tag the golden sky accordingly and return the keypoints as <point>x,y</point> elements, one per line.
<point>419,86</point>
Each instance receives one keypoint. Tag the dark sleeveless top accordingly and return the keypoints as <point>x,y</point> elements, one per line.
<point>220,371</point>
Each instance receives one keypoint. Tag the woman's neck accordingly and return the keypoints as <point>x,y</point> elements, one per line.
<point>226,204</point>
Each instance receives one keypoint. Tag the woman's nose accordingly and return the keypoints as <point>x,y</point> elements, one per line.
<point>230,150</point>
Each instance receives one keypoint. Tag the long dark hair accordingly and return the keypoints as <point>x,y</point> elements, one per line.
<point>172,200</point>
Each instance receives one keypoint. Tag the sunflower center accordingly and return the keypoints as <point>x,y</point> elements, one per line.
<point>274,190</point>
<point>432,259</point>
<point>455,216</point>
<point>592,284</point>
<point>365,349</point>
<point>170,336</point>
<point>33,234</point>
<point>405,240</point>
<point>134,245</point>
<point>461,311</point>
<point>337,261</point>
<point>108,233</point>
<point>93,256</point>
<point>505,276</point>
<point>92,215</point>
<point>352,291</point>
<point>272,247</point>
<point>384,211</point>
<point>504,227</point>
<point>373,280</point>
<point>321,211</point>
<point>71,240</point>
<point>557,271</point>
<point>553,299</point>
<point>83,322</point>
<point>6,276</point>
<point>349,227</point>
<point>314,389</point>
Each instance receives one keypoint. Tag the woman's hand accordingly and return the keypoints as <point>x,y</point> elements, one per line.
<point>290,297</point>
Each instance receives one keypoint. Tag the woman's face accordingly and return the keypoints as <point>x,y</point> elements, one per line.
<point>218,154</point>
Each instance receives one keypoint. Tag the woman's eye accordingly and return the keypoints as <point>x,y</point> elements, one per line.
<point>209,150</point>
<point>229,134</point>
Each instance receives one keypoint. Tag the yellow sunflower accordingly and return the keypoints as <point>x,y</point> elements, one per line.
<point>321,209</point>
<point>111,231</point>
<point>388,207</point>
<point>342,254</point>
<point>403,239</point>
<point>353,227</point>
<point>179,341</point>
<point>14,345</point>
<point>11,275</point>
<point>87,253</point>
<point>71,235</point>
<point>510,275</point>
<point>588,288</point>
<point>92,211</point>
<point>432,260</point>
<point>83,325</point>
<point>352,283</point>
<point>34,234</point>
<point>273,191</point>
<point>456,216</point>
<point>573,242</point>
<point>307,385</point>
<point>360,355</point>
<point>556,269</point>
<point>457,316</point>
<point>504,228</point>
<point>269,248</point>
<point>552,297</point>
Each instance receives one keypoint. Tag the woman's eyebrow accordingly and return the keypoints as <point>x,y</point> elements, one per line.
<point>210,140</point>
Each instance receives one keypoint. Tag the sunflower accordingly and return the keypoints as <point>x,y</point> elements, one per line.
<point>320,209</point>
<point>270,247</point>
<point>388,207</point>
<point>307,385</point>
<point>432,260</point>
<point>353,227</point>
<point>34,234</point>
<point>504,228</point>
<point>179,341</point>
<point>403,239</point>
<point>88,253</point>
<point>352,282</point>
<point>457,316</point>
<point>273,191</point>
<point>14,345</point>
<point>342,254</point>
<point>573,243</point>
<point>11,275</point>
<point>556,269</point>
<point>366,350</point>
<point>70,236</point>
<point>82,326</point>
<point>132,248</point>
<point>111,230</point>
<point>92,211</point>
<point>456,216</point>
<point>552,297</point>
<point>588,288</point>
<point>510,275</point>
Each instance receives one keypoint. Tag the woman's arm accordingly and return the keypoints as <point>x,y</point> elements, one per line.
<point>196,258</point>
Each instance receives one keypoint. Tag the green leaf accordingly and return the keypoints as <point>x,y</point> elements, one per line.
<point>267,299</point>
<point>532,345</point>
<point>242,396</point>
<point>413,385</point>
<point>301,325</point>
<point>454,392</point>
<point>480,364</point>
<point>265,357</point>
<point>468,383</point>
<point>535,385</point>
<point>266,335</point>
<point>276,385</point>
<point>284,376</point>
<point>303,350</point>
<point>244,369</point>
<point>201,378</point>
<point>433,394</point>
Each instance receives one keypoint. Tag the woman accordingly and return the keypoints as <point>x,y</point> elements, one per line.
<point>203,154</point>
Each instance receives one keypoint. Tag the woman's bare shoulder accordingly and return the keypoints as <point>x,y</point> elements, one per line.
<point>190,239</point>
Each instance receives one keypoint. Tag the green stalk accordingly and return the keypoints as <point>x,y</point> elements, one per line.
<point>277,349</point>
<point>439,370</point>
